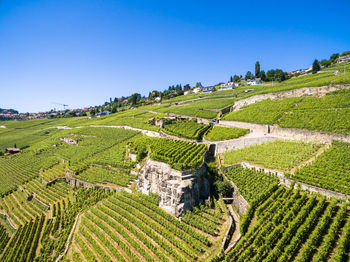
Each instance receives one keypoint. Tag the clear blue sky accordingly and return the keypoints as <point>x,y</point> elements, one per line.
<point>83,52</point>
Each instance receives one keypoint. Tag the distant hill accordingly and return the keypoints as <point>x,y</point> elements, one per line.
<point>8,111</point>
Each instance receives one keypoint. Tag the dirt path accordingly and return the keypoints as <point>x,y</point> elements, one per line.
<point>236,236</point>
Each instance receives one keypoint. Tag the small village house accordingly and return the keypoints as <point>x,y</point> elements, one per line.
<point>12,150</point>
<point>343,58</point>
<point>208,89</point>
<point>253,82</point>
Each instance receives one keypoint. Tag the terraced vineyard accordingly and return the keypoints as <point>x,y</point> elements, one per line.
<point>330,113</point>
<point>219,133</point>
<point>206,108</point>
<point>331,170</point>
<point>24,243</point>
<point>56,171</point>
<point>180,155</point>
<point>93,142</point>
<point>4,238</point>
<point>186,129</point>
<point>18,169</point>
<point>131,227</point>
<point>33,201</point>
<point>102,175</point>
<point>250,182</point>
<point>293,225</point>
<point>19,209</point>
<point>280,154</point>
<point>184,217</point>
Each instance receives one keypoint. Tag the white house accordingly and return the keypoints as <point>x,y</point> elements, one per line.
<point>344,58</point>
<point>253,82</point>
<point>187,92</point>
<point>158,99</point>
<point>197,89</point>
<point>226,86</point>
<point>308,69</point>
<point>208,89</point>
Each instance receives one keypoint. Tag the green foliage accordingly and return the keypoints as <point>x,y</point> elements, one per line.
<point>288,223</point>
<point>330,170</point>
<point>54,172</point>
<point>24,243</point>
<point>250,182</point>
<point>223,187</point>
<point>101,175</point>
<point>20,168</point>
<point>315,66</point>
<point>140,229</point>
<point>55,233</point>
<point>180,155</point>
<point>218,133</point>
<point>280,154</point>
<point>330,113</point>
<point>95,145</point>
<point>204,218</point>
<point>204,108</point>
<point>186,129</point>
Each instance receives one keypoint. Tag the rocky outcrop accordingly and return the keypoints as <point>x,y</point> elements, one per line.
<point>178,190</point>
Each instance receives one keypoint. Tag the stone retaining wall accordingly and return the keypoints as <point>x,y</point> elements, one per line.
<point>307,135</point>
<point>252,126</point>
<point>178,190</point>
<point>306,91</point>
<point>40,202</point>
<point>241,205</point>
<point>223,146</point>
<point>288,133</point>
<point>228,234</point>
<point>8,220</point>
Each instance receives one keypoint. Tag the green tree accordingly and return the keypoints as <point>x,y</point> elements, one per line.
<point>248,75</point>
<point>262,75</point>
<point>315,66</point>
<point>223,187</point>
<point>198,84</point>
<point>236,78</point>
<point>187,87</point>
<point>257,69</point>
<point>134,98</point>
<point>334,57</point>
<point>325,63</point>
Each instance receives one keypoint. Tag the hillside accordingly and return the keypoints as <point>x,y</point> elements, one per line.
<point>256,173</point>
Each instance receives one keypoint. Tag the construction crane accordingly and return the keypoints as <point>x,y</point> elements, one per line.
<point>64,105</point>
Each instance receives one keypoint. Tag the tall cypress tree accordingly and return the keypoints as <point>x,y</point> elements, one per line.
<point>315,66</point>
<point>257,69</point>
